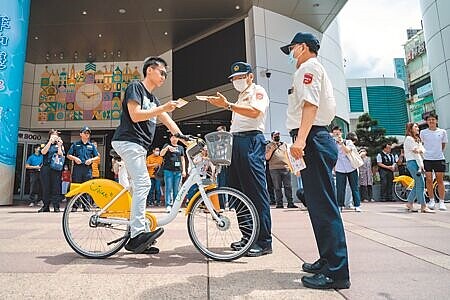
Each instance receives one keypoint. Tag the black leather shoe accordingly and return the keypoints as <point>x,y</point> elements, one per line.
<point>256,251</point>
<point>44,209</point>
<point>56,210</point>
<point>279,206</point>
<point>322,282</point>
<point>292,205</point>
<point>315,267</point>
<point>140,243</point>
<point>236,246</point>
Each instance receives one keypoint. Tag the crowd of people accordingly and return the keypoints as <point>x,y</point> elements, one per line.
<point>327,155</point>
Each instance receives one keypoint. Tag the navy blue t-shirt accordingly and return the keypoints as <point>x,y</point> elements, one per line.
<point>141,133</point>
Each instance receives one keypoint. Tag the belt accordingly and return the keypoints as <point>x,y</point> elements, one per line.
<point>247,133</point>
<point>314,128</point>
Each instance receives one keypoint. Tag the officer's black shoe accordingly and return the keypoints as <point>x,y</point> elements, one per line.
<point>315,267</point>
<point>322,282</point>
<point>257,250</point>
<point>279,206</point>
<point>44,209</point>
<point>236,246</point>
<point>139,243</point>
<point>56,209</point>
<point>292,205</point>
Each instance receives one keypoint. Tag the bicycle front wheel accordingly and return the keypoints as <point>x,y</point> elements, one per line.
<point>400,191</point>
<point>86,235</point>
<point>239,221</point>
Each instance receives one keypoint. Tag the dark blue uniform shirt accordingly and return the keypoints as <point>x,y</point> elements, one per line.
<point>83,151</point>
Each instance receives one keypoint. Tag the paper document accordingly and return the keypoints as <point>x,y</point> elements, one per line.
<point>202,98</point>
<point>181,102</point>
<point>295,165</point>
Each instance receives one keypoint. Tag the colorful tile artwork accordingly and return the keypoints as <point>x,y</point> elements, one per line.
<point>88,94</point>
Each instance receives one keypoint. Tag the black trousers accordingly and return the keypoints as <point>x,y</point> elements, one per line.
<point>35,187</point>
<point>51,186</point>
<point>386,178</point>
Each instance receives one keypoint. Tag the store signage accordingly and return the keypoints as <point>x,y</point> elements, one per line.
<point>424,90</point>
<point>26,137</point>
<point>417,50</point>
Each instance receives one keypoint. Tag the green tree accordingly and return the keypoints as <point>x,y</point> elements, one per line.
<point>371,135</point>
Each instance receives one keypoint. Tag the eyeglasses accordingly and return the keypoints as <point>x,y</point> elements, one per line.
<point>292,47</point>
<point>161,72</point>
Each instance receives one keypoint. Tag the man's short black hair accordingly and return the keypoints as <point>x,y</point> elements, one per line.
<point>431,115</point>
<point>313,47</point>
<point>153,61</point>
<point>336,128</point>
<point>384,145</point>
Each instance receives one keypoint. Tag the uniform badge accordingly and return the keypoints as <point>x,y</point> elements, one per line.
<point>307,78</point>
<point>259,96</point>
<point>236,68</point>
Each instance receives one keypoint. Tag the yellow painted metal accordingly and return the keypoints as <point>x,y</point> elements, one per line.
<point>214,199</point>
<point>102,192</point>
<point>405,180</point>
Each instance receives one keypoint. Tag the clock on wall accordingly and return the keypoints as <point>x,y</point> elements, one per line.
<point>88,96</point>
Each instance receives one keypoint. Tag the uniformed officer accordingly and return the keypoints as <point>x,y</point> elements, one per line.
<point>247,170</point>
<point>82,153</point>
<point>311,107</point>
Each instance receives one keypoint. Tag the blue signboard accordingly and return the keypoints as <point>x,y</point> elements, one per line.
<point>14,15</point>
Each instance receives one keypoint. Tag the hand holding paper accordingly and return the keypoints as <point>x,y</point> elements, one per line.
<point>295,165</point>
<point>181,102</point>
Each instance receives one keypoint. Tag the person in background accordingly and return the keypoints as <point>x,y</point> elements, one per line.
<point>65,178</point>
<point>345,171</point>
<point>311,108</point>
<point>174,169</point>
<point>386,167</point>
<point>247,170</point>
<point>50,178</point>
<point>95,163</point>
<point>82,153</point>
<point>33,165</point>
<point>434,140</point>
<point>154,161</point>
<point>365,177</point>
<point>413,147</point>
<point>276,156</point>
<point>401,163</point>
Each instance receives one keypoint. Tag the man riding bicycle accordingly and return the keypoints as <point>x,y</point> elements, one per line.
<point>132,139</point>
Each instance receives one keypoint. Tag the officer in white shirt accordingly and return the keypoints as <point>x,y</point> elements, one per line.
<point>434,141</point>
<point>311,108</point>
<point>247,170</point>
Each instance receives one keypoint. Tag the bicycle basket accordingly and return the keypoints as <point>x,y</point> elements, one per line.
<point>220,146</point>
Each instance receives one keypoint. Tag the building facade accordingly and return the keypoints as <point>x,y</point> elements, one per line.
<point>383,99</point>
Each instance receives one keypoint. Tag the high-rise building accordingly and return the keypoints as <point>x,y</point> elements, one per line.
<point>383,99</point>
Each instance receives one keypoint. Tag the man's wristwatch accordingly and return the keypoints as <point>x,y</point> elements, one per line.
<point>229,106</point>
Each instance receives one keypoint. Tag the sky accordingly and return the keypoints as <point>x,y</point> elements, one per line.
<point>373,33</point>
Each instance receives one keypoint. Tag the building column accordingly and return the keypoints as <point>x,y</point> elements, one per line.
<point>436,26</point>
<point>14,15</point>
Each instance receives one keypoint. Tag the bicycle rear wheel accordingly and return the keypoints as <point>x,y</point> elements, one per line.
<point>239,221</point>
<point>88,237</point>
<point>400,191</point>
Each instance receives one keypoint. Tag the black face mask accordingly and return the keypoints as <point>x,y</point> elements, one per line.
<point>276,139</point>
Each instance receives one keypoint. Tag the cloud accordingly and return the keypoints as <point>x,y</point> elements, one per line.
<point>373,34</point>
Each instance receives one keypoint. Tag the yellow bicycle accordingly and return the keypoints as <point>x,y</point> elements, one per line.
<point>404,184</point>
<point>216,217</point>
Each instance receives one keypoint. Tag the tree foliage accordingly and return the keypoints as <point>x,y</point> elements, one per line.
<point>371,136</point>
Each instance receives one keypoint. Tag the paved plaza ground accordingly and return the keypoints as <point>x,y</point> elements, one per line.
<point>393,255</point>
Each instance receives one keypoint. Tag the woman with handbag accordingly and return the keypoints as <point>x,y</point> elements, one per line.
<point>53,162</point>
<point>347,169</point>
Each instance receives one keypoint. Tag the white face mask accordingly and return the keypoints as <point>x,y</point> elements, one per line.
<point>240,84</point>
<point>156,152</point>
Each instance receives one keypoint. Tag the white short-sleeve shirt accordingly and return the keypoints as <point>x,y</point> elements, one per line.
<point>254,96</point>
<point>311,84</point>
<point>432,141</point>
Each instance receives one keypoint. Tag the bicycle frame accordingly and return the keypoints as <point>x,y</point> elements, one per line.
<point>106,194</point>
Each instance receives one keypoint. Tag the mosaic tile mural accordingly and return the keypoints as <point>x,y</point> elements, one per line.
<point>87,94</point>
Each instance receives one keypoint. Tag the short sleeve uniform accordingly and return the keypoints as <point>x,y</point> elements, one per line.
<point>254,96</point>
<point>311,84</point>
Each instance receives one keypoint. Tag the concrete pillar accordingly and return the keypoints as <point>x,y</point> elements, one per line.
<point>14,15</point>
<point>436,25</point>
